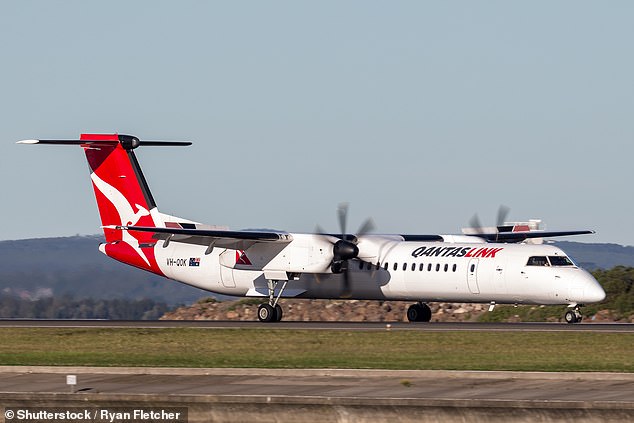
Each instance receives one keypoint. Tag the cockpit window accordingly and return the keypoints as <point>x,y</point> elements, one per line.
<point>560,261</point>
<point>537,261</point>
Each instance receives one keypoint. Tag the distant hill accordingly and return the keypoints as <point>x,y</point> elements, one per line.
<point>40,268</point>
<point>598,256</point>
<point>45,267</point>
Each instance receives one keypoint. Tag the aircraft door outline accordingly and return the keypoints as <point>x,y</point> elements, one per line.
<point>472,276</point>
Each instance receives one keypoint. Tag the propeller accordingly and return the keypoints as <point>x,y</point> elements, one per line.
<point>476,225</point>
<point>345,248</point>
<point>502,214</point>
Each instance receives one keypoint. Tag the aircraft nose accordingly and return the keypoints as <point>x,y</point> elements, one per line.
<point>593,292</point>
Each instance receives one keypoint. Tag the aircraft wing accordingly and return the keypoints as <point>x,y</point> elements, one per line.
<point>245,239</point>
<point>422,238</point>
<point>214,238</point>
<point>524,235</point>
<point>517,236</point>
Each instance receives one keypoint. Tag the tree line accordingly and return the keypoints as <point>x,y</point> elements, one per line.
<point>68,307</point>
<point>618,284</point>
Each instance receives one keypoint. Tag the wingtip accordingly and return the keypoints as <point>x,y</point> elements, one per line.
<point>28,142</point>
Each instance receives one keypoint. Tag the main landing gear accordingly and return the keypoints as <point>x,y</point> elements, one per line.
<point>419,312</point>
<point>272,311</point>
<point>268,313</point>
<point>573,316</point>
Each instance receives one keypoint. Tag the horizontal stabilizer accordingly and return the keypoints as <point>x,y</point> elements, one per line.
<point>128,142</point>
<point>81,142</point>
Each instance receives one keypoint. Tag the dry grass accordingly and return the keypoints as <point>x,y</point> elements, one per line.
<point>271,348</point>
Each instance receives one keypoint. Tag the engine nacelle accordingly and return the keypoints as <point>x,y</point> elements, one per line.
<point>307,253</point>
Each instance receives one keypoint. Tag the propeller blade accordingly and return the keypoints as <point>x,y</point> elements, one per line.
<point>503,212</point>
<point>475,224</point>
<point>367,227</point>
<point>347,288</point>
<point>342,212</point>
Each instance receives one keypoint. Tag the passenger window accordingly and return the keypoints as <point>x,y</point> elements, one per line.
<point>438,267</point>
<point>454,267</point>
<point>421,267</point>
<point>385,265</point>
<point>429,267</point>
<point>404,267</point>
<point>446,267</point>
<point>537,261</point>
<point>378,265</point>
<point>472,268</point>
<point>361,265</point>
<point>395,266</point>
<point>413,266</point>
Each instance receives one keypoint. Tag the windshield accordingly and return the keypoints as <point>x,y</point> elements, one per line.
<point>537,261</point>
<point>549,261</point>
<point>560,261</point>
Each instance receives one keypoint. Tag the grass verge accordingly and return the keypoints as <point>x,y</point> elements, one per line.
<point>271,348</point>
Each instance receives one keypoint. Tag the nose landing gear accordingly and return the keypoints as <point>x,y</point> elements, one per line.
<point>573,316</point>
<point>419,312</point>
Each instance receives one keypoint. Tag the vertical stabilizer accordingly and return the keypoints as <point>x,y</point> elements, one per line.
<point>122,193</point>
<point>123,198</point>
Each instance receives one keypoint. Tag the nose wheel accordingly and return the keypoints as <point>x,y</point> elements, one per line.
<point>573,316</point>
<point>419,312</point>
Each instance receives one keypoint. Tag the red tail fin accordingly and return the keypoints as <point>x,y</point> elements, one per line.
<point>123,198</point>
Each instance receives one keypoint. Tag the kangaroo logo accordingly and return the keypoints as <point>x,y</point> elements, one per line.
<point>127,215</point>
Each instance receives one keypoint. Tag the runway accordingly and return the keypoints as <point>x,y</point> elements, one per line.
<point>335,395</point>
<point>269,395</point>
<point>331,383</point>
<point>342,326</point>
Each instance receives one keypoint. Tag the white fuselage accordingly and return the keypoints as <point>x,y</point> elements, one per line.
<point>390,270</point>
<point>263,263</point>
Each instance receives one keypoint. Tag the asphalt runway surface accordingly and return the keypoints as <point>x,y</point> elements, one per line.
<point>377,384</point>
<point>344,326</point>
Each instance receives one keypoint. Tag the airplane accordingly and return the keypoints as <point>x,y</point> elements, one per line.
<point>499,267</point>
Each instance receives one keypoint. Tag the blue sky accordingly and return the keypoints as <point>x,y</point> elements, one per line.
<point>419,114</point>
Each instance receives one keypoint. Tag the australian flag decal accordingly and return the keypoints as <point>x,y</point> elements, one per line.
<point>194,261</point>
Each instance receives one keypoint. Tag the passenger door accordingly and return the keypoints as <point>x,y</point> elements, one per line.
<point>472,276</point>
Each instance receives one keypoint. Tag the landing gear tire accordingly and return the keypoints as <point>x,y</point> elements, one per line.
<point>278,313</point>
<point>572,316</point>
<point>419,312</point>
<point>413,312</point>
<point>266,313</point>
<point>272,312</point>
